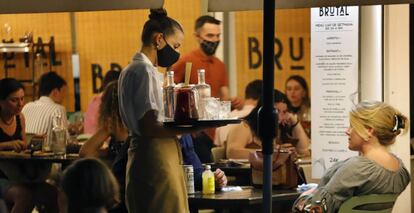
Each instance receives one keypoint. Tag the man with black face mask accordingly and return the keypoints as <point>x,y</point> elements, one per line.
<point>207,33</point>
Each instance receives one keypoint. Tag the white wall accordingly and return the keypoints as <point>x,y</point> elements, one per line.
<point>370,85</point>
<point>396,82</point>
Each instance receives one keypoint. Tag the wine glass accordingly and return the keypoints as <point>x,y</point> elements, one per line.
<point>306,122</point>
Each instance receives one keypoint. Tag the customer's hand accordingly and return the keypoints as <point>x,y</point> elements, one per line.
<point>308,192</point>
<point>16,145</point>
<point>289,147</point>
<point>75,128</point>
<point>237,103</point>
<point>292,119</point>
<point>220,177</point>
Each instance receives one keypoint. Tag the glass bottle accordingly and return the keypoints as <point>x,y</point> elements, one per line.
<point>59,136</point>
<point>7,28</point>
<point>186,108</point>
<point>208,180</point>
<point>204,91</point>
<point>169,99</point>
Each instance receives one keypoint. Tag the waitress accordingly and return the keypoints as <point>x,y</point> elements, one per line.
<point>154,179</point>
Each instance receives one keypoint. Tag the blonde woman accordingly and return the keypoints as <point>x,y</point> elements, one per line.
<point>373,127</point>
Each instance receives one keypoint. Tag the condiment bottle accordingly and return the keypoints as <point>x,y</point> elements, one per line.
<point>208,180</point>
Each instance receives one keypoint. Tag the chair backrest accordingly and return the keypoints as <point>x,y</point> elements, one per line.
<point>218,153</point>
<point>3,206</point>
<point>378,203</point>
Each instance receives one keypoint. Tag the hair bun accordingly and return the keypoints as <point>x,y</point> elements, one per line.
<point>157,14</point>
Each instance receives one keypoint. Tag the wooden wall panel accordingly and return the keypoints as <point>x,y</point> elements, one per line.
<point>114,36</point>
<point>44,26</point>
<point>291,26</point>
<point>104,38</point>
<point>185,12</point>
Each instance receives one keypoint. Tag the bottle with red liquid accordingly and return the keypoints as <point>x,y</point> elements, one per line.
<point>186,109</point>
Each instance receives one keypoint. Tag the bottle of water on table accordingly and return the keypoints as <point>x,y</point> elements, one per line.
<point>59,136</point>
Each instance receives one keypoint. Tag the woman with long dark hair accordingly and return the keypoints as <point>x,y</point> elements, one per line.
<point>297,92</point>
<point>243,138</point>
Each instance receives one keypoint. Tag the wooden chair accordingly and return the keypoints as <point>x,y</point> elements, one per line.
<point>218,153</point>
<point>378,203</point>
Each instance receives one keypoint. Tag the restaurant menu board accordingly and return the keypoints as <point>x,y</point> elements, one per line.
<point>334,80</point>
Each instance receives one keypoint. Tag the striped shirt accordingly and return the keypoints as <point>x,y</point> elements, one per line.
<point>39,115</point>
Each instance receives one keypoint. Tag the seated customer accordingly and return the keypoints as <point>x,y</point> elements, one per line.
<point>92,113</point>
<point>252,94</point>
<point>89,186</point>
<point>191,158</point>
<point>21,196</point>
<point>373,127</point>
<point>12,122</point>
<point>39,114</point>
<point>242,138</point>
<point>297,92</point>
<point>110,127</point>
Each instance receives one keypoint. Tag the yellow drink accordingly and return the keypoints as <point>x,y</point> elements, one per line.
<point>208,181</point>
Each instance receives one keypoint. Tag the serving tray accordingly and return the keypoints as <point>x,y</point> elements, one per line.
<point>201,123</point>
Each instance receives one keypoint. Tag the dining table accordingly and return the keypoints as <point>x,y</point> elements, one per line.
<point>38,156</point>
<point>241,199</point>
<point>32,166</point>
<point>237,173</point>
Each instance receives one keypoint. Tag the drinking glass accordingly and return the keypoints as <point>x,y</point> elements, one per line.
<point>306,122</point>
<point>211,108</point>
<point>225,109</point>
<point>76,126</point>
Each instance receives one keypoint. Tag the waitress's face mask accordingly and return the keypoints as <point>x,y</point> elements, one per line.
<point>167,56</point>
